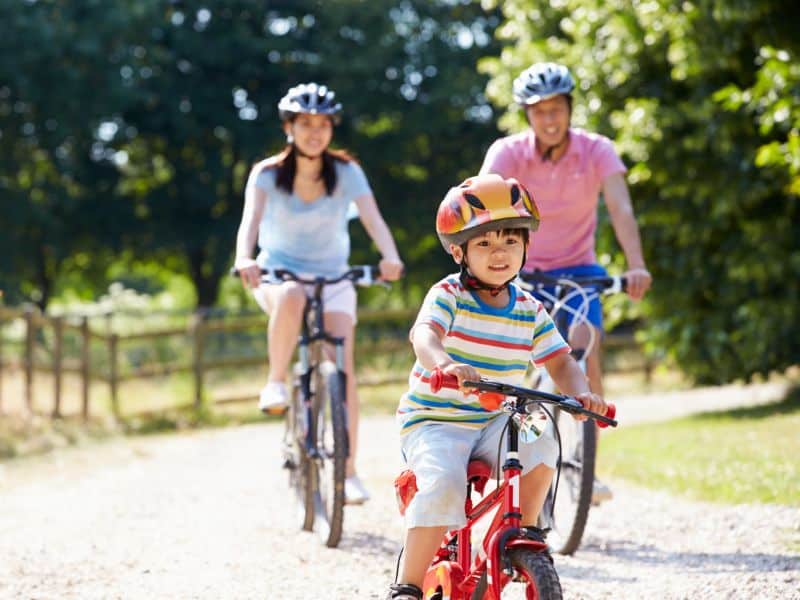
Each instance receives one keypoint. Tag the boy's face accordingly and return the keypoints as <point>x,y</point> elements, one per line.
<point>494,257</point>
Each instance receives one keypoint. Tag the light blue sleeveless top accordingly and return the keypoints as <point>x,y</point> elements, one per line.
<point>309,237</point>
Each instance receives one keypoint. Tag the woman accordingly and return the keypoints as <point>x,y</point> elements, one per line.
<point>297,207</point>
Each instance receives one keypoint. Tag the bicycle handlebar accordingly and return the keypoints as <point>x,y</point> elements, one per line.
<point>361,275</point>
<point>493,396</point>
<point>610,284</point>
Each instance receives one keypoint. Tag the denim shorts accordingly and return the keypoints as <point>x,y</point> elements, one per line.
<point>438,454</point>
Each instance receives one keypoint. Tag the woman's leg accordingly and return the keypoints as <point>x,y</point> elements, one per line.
<point>284,303</point>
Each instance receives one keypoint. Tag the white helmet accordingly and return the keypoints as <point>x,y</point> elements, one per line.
<point>309,98</point>
<point>541,81</point>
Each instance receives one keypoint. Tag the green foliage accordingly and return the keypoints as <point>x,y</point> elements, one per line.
<point>743,456</point>
<point>161,108</point>
<point>702,99</point>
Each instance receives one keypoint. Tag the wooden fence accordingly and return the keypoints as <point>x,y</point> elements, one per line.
<point>40,342</point>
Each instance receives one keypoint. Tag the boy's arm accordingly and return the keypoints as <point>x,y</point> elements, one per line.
<point>572,381</point>
<point>427,343</point>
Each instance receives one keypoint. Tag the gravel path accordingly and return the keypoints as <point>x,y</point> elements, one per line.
<point>206,515</point>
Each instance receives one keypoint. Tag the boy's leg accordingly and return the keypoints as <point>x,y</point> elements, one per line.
<point>438,455</point>
<point>421,544</point>
<point>533,491</point>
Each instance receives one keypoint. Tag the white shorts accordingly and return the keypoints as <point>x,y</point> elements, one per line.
<point>337,297</point>
<point>438,454</point>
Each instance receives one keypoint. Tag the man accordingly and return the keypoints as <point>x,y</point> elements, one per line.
<point>566,170</point>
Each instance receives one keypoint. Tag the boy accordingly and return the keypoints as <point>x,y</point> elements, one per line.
<point>472,324</point>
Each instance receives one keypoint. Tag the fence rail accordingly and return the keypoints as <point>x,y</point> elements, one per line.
<point>62,344</point>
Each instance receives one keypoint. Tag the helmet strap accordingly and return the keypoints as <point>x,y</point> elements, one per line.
<point>547,153</point>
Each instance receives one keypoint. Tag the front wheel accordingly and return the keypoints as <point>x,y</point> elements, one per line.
<point>567,518</point>
<point>534,577</point>
<point>332,446</point>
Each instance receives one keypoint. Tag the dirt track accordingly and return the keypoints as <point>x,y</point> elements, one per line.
<point>206,515</point>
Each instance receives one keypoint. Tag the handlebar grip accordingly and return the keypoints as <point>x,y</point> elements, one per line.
<point>440,379</point>
<point>611,412</point>
<point>489,400</point>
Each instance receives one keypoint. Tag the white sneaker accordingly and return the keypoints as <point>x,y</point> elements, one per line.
<point>354,491</point>
<point>600,492</point>
<point>274,398</point>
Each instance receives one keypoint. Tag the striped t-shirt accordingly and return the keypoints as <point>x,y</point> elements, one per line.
<point>499,342</point>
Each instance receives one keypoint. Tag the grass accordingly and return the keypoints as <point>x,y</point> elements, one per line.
<point>740,456</point>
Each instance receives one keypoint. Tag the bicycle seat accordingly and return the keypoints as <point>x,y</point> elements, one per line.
<point>478,473</point>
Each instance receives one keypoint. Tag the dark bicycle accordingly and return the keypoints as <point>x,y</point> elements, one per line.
<point>565,514</point>
<point>316,442</point>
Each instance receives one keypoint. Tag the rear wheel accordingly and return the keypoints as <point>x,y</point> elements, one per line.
<point>567,518</point>
<point>535,578</point>
<point>329,466</point>
<point>296,460</point>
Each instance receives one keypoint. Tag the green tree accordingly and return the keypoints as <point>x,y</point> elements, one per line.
<point>208,79</point>
<point>702,98</point>
<point>56,186</point>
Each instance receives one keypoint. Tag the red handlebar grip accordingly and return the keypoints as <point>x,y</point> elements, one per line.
<point>611,412</point>
<point>439,379</point>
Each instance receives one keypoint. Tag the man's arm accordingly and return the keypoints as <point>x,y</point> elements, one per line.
<point>620,209</point>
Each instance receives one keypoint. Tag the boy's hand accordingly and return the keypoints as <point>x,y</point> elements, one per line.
<point>463,373</point>
<point>591,402</point>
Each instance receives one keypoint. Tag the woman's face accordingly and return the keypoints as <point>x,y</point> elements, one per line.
<point>550,119</point>
<point>312,133</point>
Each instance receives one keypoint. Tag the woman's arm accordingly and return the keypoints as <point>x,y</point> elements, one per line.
<point>391,266</point>
<point>254,201</point>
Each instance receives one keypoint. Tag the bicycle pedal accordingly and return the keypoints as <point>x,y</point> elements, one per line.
<point>275,412</point>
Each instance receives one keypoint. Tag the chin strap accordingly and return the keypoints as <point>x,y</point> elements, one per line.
<point>471,282</point>
<point>547,153</point>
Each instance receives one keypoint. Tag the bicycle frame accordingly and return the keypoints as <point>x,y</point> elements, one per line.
<point>310,353</point>
<point>453,570</point>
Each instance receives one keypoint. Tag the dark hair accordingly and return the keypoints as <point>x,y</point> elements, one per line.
<point>522,232</point>
<point>287,168</point>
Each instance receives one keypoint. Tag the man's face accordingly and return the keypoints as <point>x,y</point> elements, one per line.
<point>549,119</point>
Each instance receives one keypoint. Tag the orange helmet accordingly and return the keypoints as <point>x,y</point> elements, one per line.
<point>484,203</point>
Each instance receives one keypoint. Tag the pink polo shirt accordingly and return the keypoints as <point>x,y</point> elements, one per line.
<point>566,192</point>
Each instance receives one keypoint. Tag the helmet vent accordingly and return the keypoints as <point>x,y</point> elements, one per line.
<point>474,201</point>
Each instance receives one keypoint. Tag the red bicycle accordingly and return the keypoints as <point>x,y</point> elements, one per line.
<point>510,560</point>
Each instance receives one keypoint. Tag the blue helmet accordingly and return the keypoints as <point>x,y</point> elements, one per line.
<point>541,81</point>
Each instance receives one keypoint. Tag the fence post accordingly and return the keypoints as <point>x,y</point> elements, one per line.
<point>58,336</point>
<point>29,342</point>
<point>85,367</point>
<point>1,359</point>
<point>113,343</point>
<point>198,345</point>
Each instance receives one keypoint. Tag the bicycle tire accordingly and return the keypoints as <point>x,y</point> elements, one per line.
<point>567,520</point>
<point>332,444</point>
<point>533,569</point>
<point>296,460</point>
